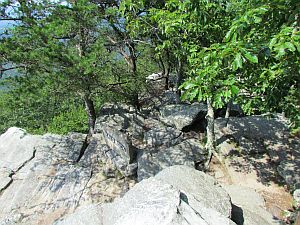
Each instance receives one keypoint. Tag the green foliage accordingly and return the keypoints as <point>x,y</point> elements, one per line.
<point>246,50</point>
<point>74,119</point>
<point>64,62</point>
<point>230,49</point>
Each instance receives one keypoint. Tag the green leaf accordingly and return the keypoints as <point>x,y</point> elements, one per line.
<point>228,35</point>
<point>280,51</point>
<point>257,19</point>
<point>252,58</point>
<point>238,62</point>
<point>290,46</point>
<point>297,46</point>
<point>273,42</point>
<point>234,90</point>
<point>193,94</point>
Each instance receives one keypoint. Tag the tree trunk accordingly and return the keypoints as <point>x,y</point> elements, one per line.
<point>228,108</point>
<point>1,71</point>
<point>210,129</point>
<point>179,75</point>
<point>136,101</point>
<point>165,69</point>
<point>133,68</point>
<point>90,109</point>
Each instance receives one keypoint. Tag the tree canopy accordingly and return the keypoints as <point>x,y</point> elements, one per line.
<point>222,51</point>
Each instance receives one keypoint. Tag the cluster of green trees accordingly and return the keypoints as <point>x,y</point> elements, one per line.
<point>71,56</point>
<point>74,55</point>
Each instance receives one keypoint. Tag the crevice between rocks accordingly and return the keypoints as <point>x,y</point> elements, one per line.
<point>184,199</point>
<point>85,145</point>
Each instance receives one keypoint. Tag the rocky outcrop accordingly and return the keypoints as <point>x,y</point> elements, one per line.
<point>120,150</point>
<point>157,146</point>
<point>252,134</point>
<point>262,135</point>
<point>189,153</point>
<point>249,207</point>
<point>171,198</point>
<point>73,179</point>
<point>43,179</point>
<point>182,115</point>
<point>161,135</point>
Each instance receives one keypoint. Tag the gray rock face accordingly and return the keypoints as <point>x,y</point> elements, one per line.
<point>122,118</point>
<point>182,115</point>
<point>296,195</point>
<point>259,134</point>
<point>249,207</point>
<point>252,134</point>
<point>290,171</point>
<point>198,188</point>
<point>120,150</point>
<point>162,135</point>
<point>16,148</point>
<point>46,182</point>
<point>186,153</point>
<point>165,200</point>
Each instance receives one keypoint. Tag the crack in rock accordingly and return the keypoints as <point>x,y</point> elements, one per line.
<point>85,186</point>
<point>16,171</point>
<point>85,145</point>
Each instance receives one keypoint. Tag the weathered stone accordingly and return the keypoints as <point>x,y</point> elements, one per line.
<point>252,134</point>
<point>120,151</point>
<point>204,189</point>
<point>154,76</point>
<point>194,145</point>
<point>159,201</point>
<point>162,135</point>
<point>5,178</point>
<point>186,153</point>
<point>16,148</point>
<point>296,195</point>
<point>290,171</point>
<point>49,182</point>
<point>154,101</point>
<point>182,115</point>
<point>249,206</point>
<point>122,118</point>
<point>119,143</point>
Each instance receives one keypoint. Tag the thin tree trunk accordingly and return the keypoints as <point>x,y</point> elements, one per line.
<point>298,219</point>
<point>228,109</point>
<point>210,129</point>
<point>1,71</point>
<point>90,109</point>
<point>179,75</point>
<point>166,70</point>
<point>136,101</point>
<point>133,68</point>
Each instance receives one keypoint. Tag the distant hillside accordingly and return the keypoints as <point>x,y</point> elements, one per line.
<point>3,26</point>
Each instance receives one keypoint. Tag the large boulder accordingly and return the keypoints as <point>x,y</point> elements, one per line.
<point>52,178</point>
<point>289,170</point>
<point>262,135</point>
<point>188,152</point>
<point>121,117</point>
<point>120,150</point>
<point>160,135</point>
<point>249,207</point>
<point>154,99</point>
<point>253,134</point>
<point>170,198</point>
<point>182,115</point>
